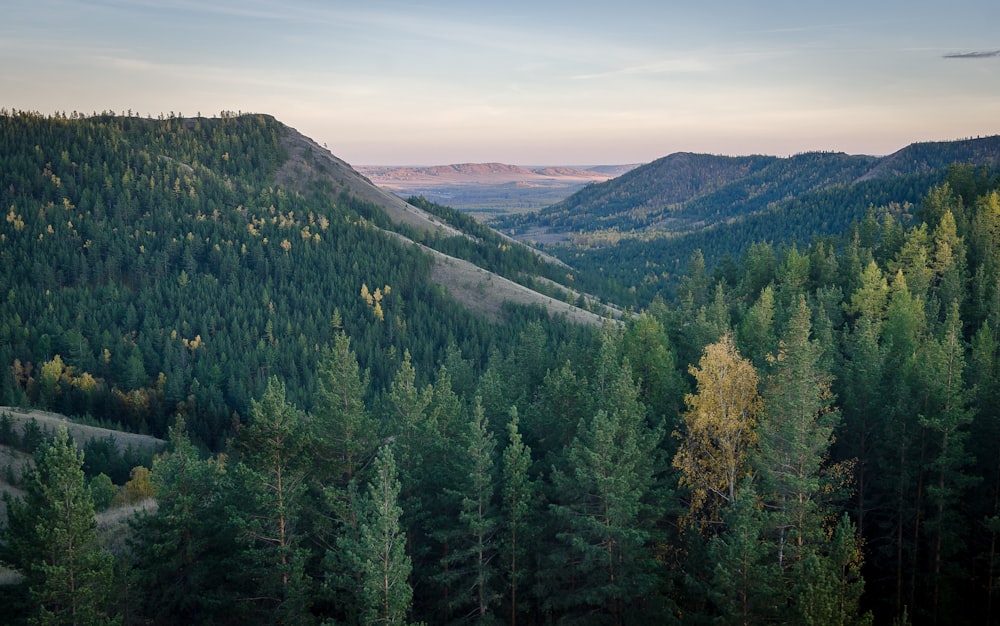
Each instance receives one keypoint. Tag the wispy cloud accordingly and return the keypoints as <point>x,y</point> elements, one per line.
<point>980,54</point>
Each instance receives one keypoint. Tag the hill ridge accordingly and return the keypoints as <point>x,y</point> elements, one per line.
<point>685,192</point>
<point>302,168</point>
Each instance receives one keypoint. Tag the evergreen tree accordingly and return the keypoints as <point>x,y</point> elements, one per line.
<point>187,553</point>
<point>344,432</point>
<point>602,510</point>
<point>746,586</point>
<point>51,537</point>
<point>646,346</point>
<point>946,417</point>
<point>469,568</point>
<point>273,458</point>
<point>386,595</point>
<point>795,433</point>
<point>519,502</point>
<point>344,436</point>
<point>948,264</point>
<point>828,585</point>
<point>756,331</point>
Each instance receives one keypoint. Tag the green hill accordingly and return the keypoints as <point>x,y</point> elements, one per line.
<point>158,266</point>
<point>686,192</point>
<point>371,419</point>
<point>642,227</point>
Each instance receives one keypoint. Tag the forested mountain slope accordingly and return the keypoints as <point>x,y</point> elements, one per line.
<point>179,262</point>
<point>684,192</point>
<point>639,229</point>
<point>806,435</point>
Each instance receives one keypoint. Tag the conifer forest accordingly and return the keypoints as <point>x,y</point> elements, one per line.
<point>807,432</point>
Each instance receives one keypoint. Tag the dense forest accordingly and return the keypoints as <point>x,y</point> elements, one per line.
<point>160,265</point>
<point>630,236</point>
<point>804,435</point>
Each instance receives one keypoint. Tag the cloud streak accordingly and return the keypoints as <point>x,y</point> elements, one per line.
<point>980,54</point>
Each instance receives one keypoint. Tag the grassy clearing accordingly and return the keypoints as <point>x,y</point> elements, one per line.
<point>80,433</point>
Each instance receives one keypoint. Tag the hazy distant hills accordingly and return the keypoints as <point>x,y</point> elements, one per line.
<point>685,193</point>
<point>640,229</point>
<point>405,177</point>
<point>489,189</point>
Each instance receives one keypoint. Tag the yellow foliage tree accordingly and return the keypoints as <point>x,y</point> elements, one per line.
<point>52,373</point>
<point>138,488</point>
<point>717,432</point>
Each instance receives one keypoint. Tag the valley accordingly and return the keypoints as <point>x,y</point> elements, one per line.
<point>704,390</point>
<point>489,190</point>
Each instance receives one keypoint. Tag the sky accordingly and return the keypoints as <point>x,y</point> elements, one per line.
<point>525,82</point>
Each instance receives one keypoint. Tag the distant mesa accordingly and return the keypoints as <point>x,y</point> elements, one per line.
<point>409,177</point>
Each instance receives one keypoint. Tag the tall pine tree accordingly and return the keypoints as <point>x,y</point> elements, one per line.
<point>51,537</point>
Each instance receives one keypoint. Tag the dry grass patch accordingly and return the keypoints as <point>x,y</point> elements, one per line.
<point>81,433</point>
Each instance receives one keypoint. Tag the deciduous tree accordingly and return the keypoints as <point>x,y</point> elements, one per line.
<point>718,430</point>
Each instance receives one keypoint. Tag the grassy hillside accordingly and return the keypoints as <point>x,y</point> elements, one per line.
<point>15,461</point>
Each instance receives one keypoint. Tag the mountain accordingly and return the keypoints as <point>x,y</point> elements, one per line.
<point>927,157</point>
<point>645,224</point>
<point>685,192</point>
<point>352,398</point>
<point>162,266</point>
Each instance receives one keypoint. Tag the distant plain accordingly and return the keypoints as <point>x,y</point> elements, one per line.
<point>488,190</point>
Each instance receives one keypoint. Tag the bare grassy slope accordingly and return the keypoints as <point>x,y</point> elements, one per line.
<point>478,289</point>
<point>111,523</point>
<point>80,432</point>
<point>485,292</point>
<point>308,161</point>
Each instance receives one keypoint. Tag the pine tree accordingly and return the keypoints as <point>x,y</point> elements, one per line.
<point>386,595</point>
<point>519,502</point>
<point>187,553</point>
<point>273,460</point>
<point>828,585</point>
<point>345,433</point>
<point>344,436</point>
<point>756,330</point>
<point>603,509</point>
<point>469,569</point>
<point>946,417</point>
<point>746,582</point>
<point>795,434</point>
<point>51,537</point>
<point>654,367</point>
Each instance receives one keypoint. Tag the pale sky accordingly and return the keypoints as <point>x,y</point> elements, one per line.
<point>525,81</point>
